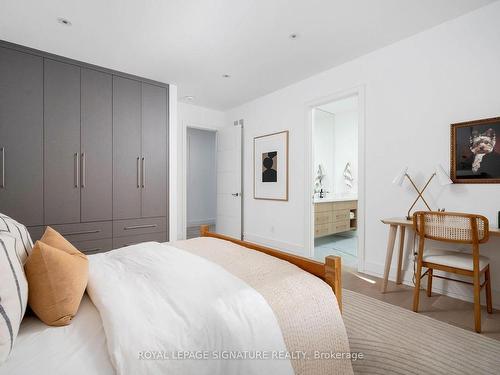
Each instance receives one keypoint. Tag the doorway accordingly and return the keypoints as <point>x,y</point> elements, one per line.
<point>335,179</point>
<point>213,180</point>
<point>201,180</point>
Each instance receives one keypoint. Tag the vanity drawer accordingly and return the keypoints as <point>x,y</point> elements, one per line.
<point>323,217</point>
<point>323,207</point>
<point>94,246</point>
<point>132,240</point>
<point>339,227</point>
<point>139,226</point>
<point>346,205</point>
<point>77,231</point>
<point>321,230</point>
<point>340,215</point>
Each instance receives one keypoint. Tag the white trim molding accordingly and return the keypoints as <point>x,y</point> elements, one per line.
<point>193,223</point>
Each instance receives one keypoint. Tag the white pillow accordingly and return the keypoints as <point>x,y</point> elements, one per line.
<point>13,293</point>
<point>15,247</point>
<point>24,244</point>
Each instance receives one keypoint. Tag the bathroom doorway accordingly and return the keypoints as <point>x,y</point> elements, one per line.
<point>335,179</point>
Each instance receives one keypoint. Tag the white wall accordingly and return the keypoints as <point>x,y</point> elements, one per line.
<point>345,148</point>
<point>201,177</point>
<point>198,117</point>
<point>414,90</point>
<point>323,141</point>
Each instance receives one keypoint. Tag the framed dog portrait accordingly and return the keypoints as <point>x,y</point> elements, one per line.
<point>271,166</point>
<point>475,152</point>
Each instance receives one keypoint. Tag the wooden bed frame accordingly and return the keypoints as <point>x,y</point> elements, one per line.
<point>330,271</point>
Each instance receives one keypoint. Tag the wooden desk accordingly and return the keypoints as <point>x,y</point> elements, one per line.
<point>401,223</point>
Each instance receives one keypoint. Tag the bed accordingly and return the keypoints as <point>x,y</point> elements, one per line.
<point>207,305</point>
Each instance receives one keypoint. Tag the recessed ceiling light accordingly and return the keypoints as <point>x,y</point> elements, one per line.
<point>64,21</point>
<point>189,97</point>
<point>226,76</point>
<point>293,36</point>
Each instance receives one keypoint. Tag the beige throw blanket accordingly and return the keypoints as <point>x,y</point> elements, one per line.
<point>304,305</point>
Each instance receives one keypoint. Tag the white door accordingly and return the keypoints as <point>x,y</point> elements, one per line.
<point>229,192</point>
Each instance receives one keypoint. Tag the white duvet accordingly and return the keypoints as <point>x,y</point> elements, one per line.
<point>167,311</point>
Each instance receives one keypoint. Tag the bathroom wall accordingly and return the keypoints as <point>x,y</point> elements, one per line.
<point>335,139</point>
<point>345,150</point>
<point>323,138</point>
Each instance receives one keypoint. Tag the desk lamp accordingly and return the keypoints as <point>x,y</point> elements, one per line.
<point>442,176</point>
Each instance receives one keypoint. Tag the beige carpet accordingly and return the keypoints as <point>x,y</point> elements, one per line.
<point>399,341</point>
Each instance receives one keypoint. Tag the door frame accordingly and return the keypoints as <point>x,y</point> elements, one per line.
<point>309,169</point>
<point>183,190</point>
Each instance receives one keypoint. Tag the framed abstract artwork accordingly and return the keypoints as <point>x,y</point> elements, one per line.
<point>475,152</point>
<point>271,166</point>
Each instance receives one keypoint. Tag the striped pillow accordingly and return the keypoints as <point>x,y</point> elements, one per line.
<point>13,293</point>
<point>24,244</point>
<point>15,247</point>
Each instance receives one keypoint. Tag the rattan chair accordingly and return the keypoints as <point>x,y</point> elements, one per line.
<point>459,229</point>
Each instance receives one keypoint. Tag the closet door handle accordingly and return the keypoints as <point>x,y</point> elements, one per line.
<point>140,226</point>
<point>2,151</point>
<point>138,167</point>
<point>84,176</point>
<point>81,232</point>
<point>95,249</point>
<point>143,169</point>
<point>76,160</point>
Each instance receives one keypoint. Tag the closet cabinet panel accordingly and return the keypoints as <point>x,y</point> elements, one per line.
<point>154,151</point>
<point>21,136</point>
<point>96,152</point>
<point>126,148</point>
<point>61,142</point>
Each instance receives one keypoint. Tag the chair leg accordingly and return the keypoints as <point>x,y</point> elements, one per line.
<point>429,282</point>
<point>477,302</point>
<point>489,302</point>
<point>416,292</point>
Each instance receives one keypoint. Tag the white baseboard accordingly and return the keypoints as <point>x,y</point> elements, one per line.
<point>276,244</point>
<point>447,288</point>
<point>192,223</point>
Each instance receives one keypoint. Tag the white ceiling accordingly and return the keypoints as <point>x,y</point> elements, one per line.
<point>193,42</point>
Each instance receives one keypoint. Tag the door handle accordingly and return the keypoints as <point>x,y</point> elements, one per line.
<point>138,172</point>
<point>77,169</point>
<point>143,170</point>
<point>84,177</point>
<point>2,150</point>
<point>235,194</point>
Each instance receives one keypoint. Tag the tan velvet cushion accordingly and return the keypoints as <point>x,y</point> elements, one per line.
<point>53,238</point>
<point>57,278</point>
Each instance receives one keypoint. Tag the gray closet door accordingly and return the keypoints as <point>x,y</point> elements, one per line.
<point>21,136</point>
<point>96,152</point>
<point>154,150</point>
<point>126,148</point>
<point>61,142</point>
